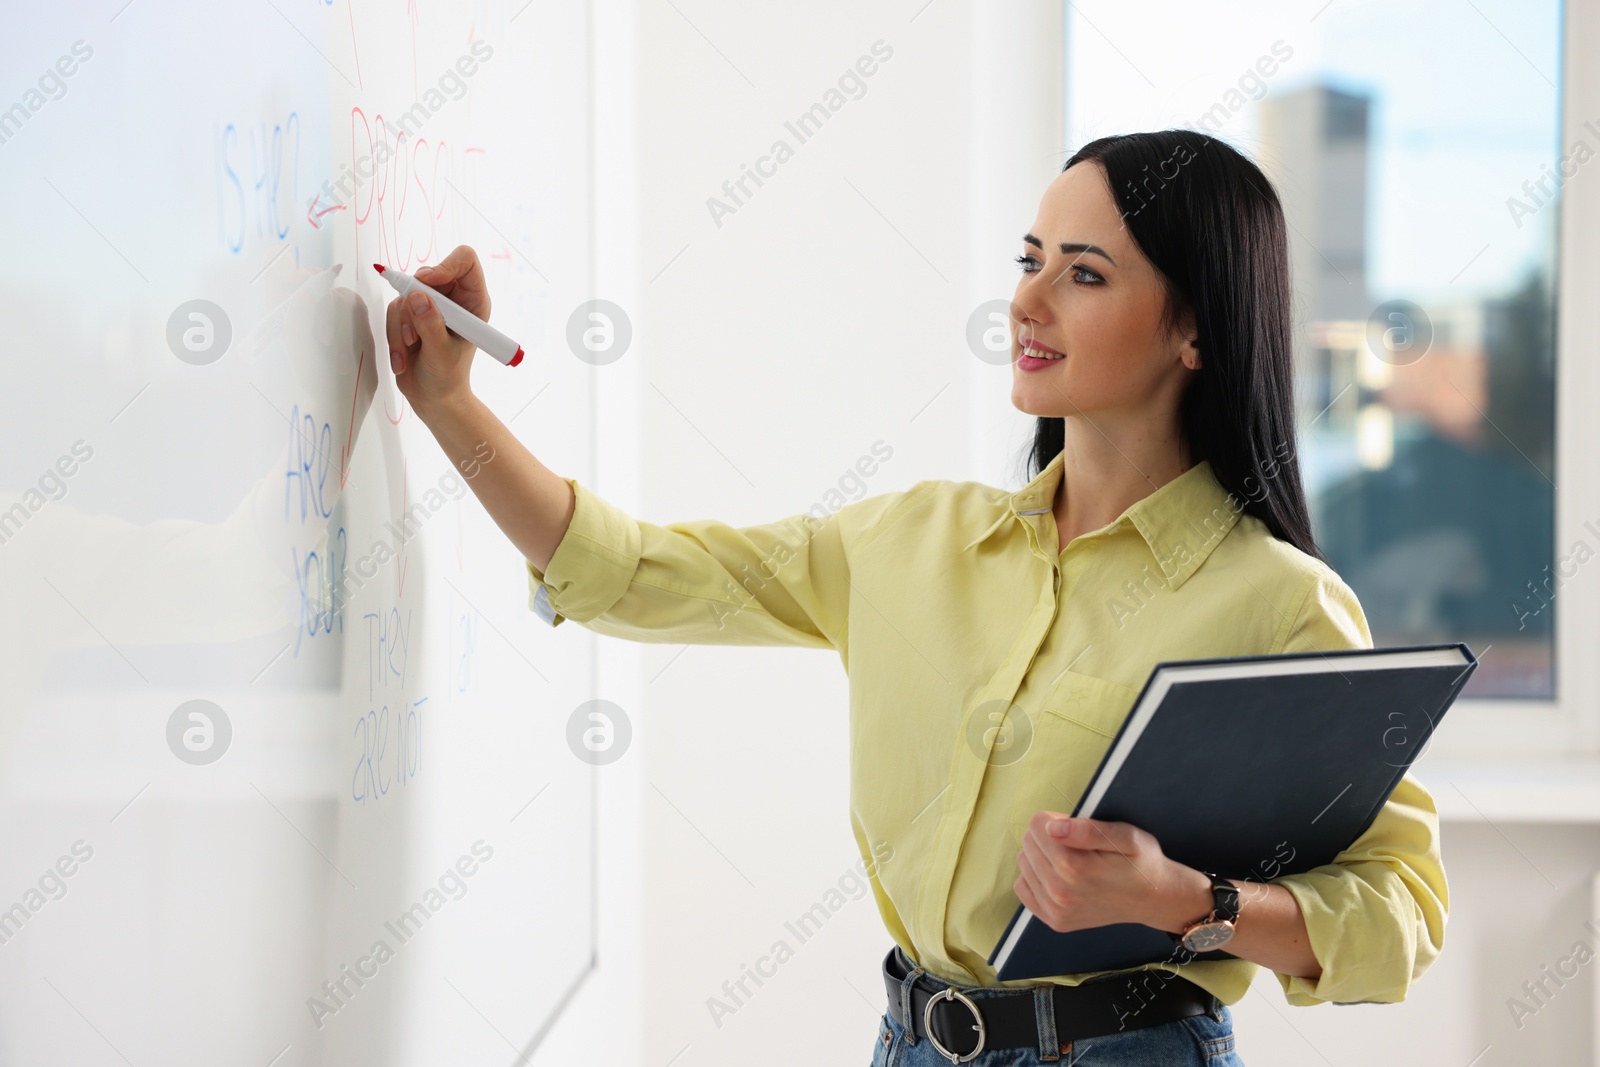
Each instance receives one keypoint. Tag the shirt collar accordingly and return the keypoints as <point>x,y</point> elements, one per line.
<point>1181,522</point>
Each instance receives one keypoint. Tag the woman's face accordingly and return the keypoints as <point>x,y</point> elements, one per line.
<point>1087,291</point>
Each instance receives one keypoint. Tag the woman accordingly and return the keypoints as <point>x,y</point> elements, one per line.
<point>996,640</point>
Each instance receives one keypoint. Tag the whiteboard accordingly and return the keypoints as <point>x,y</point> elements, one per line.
<point>229,503</point>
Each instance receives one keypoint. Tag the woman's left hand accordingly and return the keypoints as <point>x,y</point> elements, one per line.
<point>1090,872</point>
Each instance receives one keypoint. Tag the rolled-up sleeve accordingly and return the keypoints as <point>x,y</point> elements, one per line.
<point>593,564</point>
<point>1376,915</point>
<point>704,581</point>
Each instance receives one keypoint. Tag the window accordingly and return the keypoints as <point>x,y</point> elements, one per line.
<point>1420,161</point>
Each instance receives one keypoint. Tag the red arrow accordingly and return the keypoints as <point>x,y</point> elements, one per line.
<point>324,211</point>
<point>344,453</point>
<point>405,466</point>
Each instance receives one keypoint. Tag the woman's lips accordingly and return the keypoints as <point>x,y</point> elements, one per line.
<point>1029,361</point>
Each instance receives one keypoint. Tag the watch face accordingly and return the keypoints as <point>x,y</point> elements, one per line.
<point>1208,936</point>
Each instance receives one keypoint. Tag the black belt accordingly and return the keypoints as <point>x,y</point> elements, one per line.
<point>963,1026</point>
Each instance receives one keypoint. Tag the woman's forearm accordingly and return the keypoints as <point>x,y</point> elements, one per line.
<point>1270,929</point>
<point>526,499</point>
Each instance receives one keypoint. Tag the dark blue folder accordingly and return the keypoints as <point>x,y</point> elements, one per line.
<point>1253,767</point>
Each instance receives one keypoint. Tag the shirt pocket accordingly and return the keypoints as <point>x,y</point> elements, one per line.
<point>1072,730</point>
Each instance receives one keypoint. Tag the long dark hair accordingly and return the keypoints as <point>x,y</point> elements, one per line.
<point>1211,223</point>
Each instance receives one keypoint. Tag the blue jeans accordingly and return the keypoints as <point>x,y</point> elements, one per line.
<point>1204,1040</point>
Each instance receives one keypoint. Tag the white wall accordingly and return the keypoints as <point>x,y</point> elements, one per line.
<point>828,312</point>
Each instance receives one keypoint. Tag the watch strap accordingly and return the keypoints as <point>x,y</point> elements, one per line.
<point>1224,899</point>
<point>1224,906</point>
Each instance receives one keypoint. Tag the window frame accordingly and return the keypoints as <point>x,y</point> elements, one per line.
<point>1568,726</point>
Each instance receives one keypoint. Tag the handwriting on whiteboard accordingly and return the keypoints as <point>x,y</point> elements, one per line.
<point>389,753</point>
<point>307,498</point>
<point>404,195</point>
<point>310,457</point>
<point>258,181</point>
<point>320,577</point>
<point>390,730</point>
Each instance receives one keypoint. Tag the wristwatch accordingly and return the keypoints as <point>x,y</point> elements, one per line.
<point>1216,929</point>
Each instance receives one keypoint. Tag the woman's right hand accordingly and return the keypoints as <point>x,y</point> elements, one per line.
<point>433,366</point>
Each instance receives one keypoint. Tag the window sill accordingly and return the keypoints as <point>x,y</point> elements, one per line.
<point>1542,790</point>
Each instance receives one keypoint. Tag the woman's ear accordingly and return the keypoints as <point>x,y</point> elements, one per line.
<point>1189,343</point>
<point>1191,353</point>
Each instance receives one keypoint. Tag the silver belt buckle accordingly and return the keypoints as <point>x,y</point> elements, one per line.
<point>948,993</point>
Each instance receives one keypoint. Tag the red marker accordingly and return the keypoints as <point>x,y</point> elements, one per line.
<point>461,322</point>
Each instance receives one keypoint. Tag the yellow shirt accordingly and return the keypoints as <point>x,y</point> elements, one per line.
<point>954,611</point>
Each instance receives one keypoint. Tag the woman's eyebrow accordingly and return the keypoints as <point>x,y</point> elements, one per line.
<point>1070,248</point>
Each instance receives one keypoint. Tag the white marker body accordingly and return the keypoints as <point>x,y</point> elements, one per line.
<point>460,321</point>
